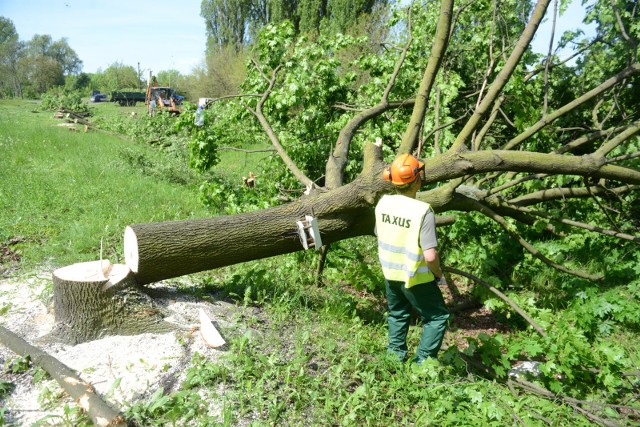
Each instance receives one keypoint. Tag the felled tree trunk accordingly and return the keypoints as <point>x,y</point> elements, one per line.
<point>95,299</point>
<point>158,251</point>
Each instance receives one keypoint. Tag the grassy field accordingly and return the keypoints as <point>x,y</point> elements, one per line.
<point>63,193</point>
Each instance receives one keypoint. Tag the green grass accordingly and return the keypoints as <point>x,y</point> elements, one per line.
<point>312,360</point>
<point>236,164</point>
<point>233,165</point>
<point>63,192</point>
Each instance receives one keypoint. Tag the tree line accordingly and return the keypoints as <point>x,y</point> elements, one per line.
<point>31,68</point>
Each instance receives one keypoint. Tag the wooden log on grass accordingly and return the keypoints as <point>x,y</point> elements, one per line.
<point>95,299</point>
<point>98,410</point>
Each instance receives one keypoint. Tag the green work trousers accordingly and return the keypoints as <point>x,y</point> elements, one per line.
<point>427,299</point>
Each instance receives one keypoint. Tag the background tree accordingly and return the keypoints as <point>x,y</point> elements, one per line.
<point>40,73</point>
<point>232,27</point>
<point>221,74</point>
<point>80,82</point>
<point>227,23</point>
<point>59,51</point>
<point>171,78</point>
<point>10,51</point>
<point>117,76</point>
<point>33,67</point>
<point>237,23</point>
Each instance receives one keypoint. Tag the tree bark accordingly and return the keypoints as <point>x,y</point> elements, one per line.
<point>96,299</point>
<point>158,251</point>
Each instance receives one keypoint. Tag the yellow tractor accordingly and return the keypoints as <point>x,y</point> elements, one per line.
<point>162,98</point>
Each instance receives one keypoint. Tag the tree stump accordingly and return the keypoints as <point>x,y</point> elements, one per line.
<point>95,299</point>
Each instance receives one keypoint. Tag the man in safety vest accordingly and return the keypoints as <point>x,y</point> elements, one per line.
<point>407,244</point>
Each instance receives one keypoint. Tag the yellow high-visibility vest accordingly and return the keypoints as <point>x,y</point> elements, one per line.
<point>398,222</point>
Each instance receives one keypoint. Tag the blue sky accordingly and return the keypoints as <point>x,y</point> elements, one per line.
<point>158,34</point>
<point>571,19</point>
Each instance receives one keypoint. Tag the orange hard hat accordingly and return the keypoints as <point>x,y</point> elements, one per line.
<point>404,170</point>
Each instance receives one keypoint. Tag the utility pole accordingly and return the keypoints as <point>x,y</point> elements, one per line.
<point>139,78</point>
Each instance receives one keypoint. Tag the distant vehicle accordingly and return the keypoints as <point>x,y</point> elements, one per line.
<point>96,96</point>
<point>128,98</point>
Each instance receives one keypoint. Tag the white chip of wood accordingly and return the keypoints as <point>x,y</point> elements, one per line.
<point>209,332</point>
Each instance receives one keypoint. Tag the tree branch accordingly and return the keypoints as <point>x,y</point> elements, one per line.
<point>101,414</point>
<point>547,64</point>
<point>452,165</point>
<point>535,72</point>
<point>515,182</point>
<point>503,76</point>
<point>266,150</point>
<point>631,40</point>
<point>568,193</point>
<point>619,139</point>
<point>606,85</point>
<point>410,137</point>
<point>492,117</point>
<point>499,294</point>
<point>337,161</point>
<point>577,224</point>
<point>586,139</point>
<point>621,158</point>
<point>574,403</point>
<point>271,134</point>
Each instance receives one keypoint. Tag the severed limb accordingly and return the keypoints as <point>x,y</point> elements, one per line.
<point>574,403</point>
<point>98,410</point>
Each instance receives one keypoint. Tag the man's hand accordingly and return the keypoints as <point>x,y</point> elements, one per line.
<point>441,281</point>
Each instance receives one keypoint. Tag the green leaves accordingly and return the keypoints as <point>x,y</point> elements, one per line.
<point>57,98</point>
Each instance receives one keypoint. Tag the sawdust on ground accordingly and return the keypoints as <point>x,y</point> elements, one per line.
<point>125,369</point>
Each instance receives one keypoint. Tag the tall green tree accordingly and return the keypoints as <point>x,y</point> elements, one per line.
<point>227,23</point>
<point>80,82</point>
<point>117,76</point>
<point>60,51</point>
<point>40,73</point>
<point>170,78</point>
<point>221,74</point>
<point>236,23</point>
<point>11,49</point>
